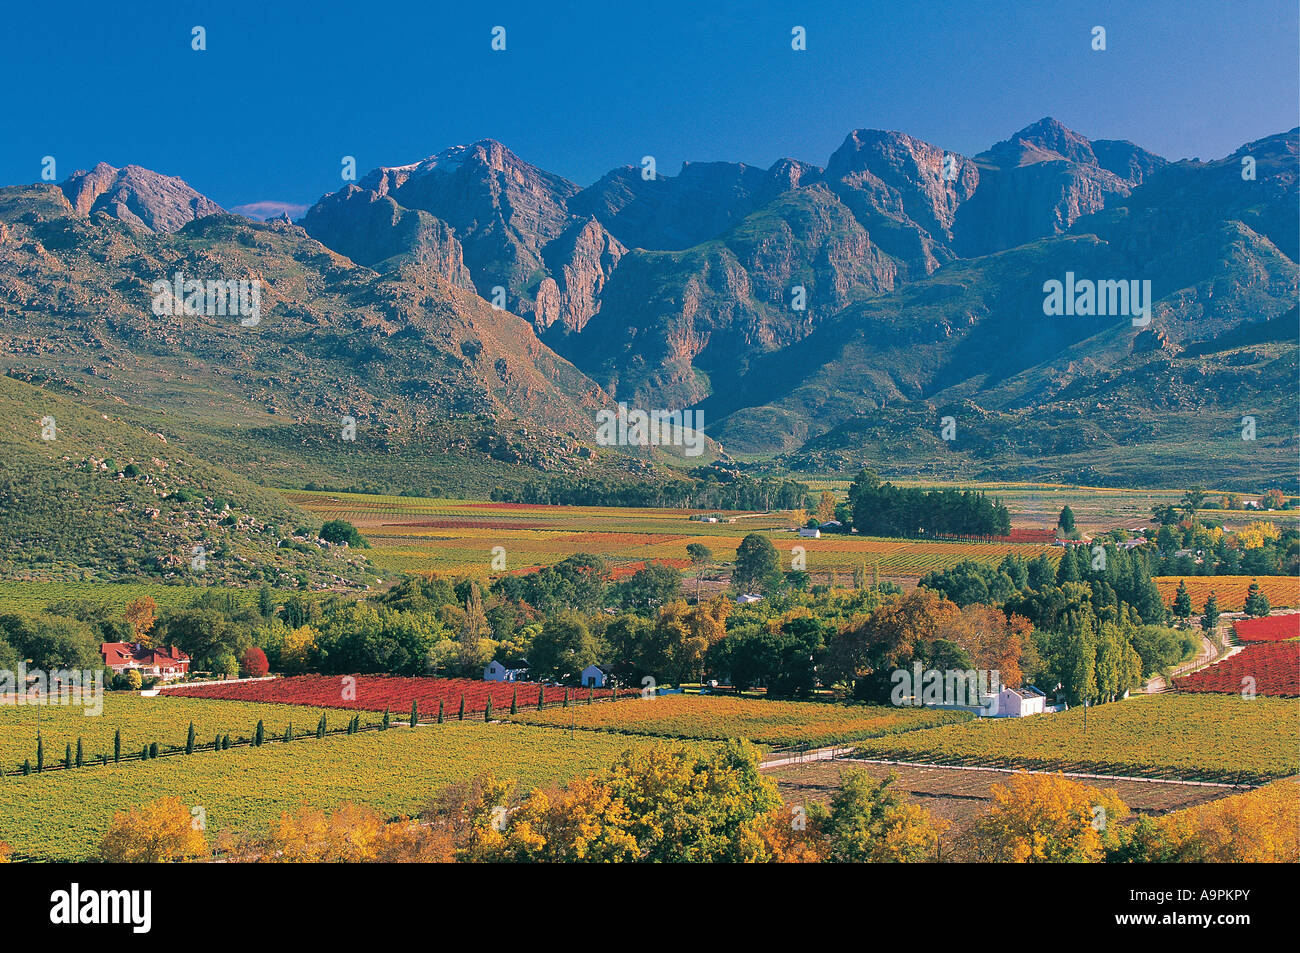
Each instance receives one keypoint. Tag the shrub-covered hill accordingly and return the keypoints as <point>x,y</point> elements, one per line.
<point>106,500</point>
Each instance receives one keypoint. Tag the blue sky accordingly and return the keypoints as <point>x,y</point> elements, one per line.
<point>285,89</point>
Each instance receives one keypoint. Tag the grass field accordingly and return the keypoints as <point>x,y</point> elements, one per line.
<point>143,721</point>
<point>420,535</point>
<point>1194,737</point>
<point>763,722</point>
<point>62,816</point>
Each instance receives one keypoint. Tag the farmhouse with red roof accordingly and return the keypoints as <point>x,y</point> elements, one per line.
<point>165,662</point>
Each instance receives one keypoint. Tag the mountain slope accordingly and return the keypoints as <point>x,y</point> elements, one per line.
<point>105,500</point>
<point>416,361</point>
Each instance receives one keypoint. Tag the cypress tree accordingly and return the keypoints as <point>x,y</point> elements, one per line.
<point>514,702</point>
<point>259,734</point>
<point>81,756</point>
<point>144,753</point>
<point>117,745</point>
<point>461,716</point>
<point>216,742</point>
<point>189,740</point>
<point>27,766</point>
<point>67,756</point>
<point>1256,602</point>
<point>320,727</point>
<point>225,742</point>
<point>566,698</point>
<point>288,732</point>
<point>1210,620</point>
<point>153,749</point>
<point>415,712</point>
<point>487,711</point>
<point>541,696</point>
<point>591,694</point>
<point>387,722</point>
<point>40,752</point>
<point>440,707</point>
<point>1182,601</point>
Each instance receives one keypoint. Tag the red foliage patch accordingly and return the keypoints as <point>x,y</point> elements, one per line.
<point>377,692</point>
<point>1274,666</point>
<point>1276,628</point>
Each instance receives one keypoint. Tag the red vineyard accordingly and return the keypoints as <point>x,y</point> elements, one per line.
<point>1277,628</point>
<point>377,692</point>
<point>1274,667</point>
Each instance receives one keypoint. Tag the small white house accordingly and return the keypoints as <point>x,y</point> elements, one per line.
<point>1014,702</point>
<point>593,676</point>
<point>810,532</point>
<point>748,598</point>
<point>496,671</point>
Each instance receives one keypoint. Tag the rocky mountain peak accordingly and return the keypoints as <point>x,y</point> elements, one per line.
<point>138,196</point>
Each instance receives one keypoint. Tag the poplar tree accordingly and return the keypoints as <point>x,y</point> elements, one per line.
<point>117,745</point>
<point>189,740</point>
<point>415,712</point>
<point>320,727</point>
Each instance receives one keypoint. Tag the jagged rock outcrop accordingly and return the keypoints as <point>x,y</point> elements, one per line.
<point>673,212</point>
<point>904,192</point>
<point>581,261</point>
<point>137,196</point>
<point>1042,180</point>
<point>372,229</point>
<point>502,211</point>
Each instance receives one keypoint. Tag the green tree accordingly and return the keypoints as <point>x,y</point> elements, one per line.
<point>1065,522</point>
<point>189,740</point>
<point>1256,601</point>
<point>320,727</point>
<point>415,713</point>
<point>701,557</point>
<point>440,711</point>
<point>563,648</point>
<point>259,733</point>
<point>117,745</point>
<point>1210,616</point>
<point>81,754</point>
<point>1182,608</point>
<point>341,531</point>
<point>487,711</point>
<point>757,567</point>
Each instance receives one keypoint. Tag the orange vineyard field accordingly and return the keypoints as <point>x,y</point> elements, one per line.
<point>1283,592</point>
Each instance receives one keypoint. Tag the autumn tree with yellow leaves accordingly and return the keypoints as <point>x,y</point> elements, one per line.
<point>162,831</point>
<point>141,615</point>
<point>1048,818</point>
